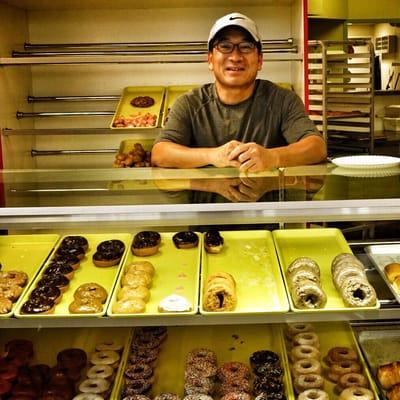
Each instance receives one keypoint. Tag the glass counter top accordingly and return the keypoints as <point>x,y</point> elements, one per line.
<point>211,195</point>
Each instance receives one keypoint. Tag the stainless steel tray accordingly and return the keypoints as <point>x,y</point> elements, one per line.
<point>382,255</point>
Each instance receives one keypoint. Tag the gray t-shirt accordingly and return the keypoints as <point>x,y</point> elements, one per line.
<point>271,117</point>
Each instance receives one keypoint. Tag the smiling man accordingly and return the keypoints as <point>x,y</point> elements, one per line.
<point>239,120</point>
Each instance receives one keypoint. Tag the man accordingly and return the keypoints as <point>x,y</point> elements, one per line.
<point>238,121</point>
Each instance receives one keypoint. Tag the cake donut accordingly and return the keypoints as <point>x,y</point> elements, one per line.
<point>85,306</point>
<point>303,262</point>
<point>220,293</point>
<point>358,293</point>
<point>213,241</point>
<point>313,394</point>
<point>352,379</point>
<point>308,338</point>
<point>145,266</point>
<point>185,240</point>
<point>304,351</point>
<point>146,243</point>
<point>306,366</point>
<point>94,385</point>
<point>309,381</point>
<point>134,292</point>
<point>308,294</point>
<point>88,396</point>
<point>297,327</point>
<point>356,393</point>
<point>340,368</point>
<point>232,371</point>
<point>100,371</point>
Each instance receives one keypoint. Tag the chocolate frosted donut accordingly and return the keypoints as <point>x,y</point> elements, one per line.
<point>264,384</point>
<point>185,240</point>
<point>70,251</point>
<point>69,259</point>
<point>213,241</point>
<point>75,241</point>
<point>52,293</point>
<point>275,373</point>
<point>264,357</point>
<point>54,280</point>
<point>38,306</point>
<point>138,371</point>
<point>146,243</point>
<point>59,267</point>
<point>142,101</point>
<point>112,246</point>
<point>72,358</point>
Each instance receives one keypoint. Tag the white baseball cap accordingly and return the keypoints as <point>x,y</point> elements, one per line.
<point>235,19</point>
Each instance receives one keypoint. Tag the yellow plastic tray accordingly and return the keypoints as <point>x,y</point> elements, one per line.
<point>87,272</point>
<point>172,93</point>
<point>125,109</point>
<point>230,343</point>
<point>48,342</point>
<point>338,334</point>
<point>176,272</point>
<point>25,253</point>
<point>250,257</point>
<point>322,245</point>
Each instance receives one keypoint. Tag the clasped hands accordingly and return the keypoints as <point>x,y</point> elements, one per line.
<point>250,157</point>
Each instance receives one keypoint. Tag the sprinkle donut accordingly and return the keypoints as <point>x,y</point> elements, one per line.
<point>138,371</point>
<point>232,371</point>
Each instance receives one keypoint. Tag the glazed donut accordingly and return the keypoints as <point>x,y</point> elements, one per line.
<point>100,371</point>
<point>38,306</point>
<point>302,262</point>
<point>129,306</point>
<point>308,294</point>
<point>18,278</point>
<point>297,327</point>
<point>309,381</point>
<point>91,290</point>
<point>236,396</point>
<point>356,393</point>
<point>263,357</point>
<point>145,266</point>
<point>95,386</point>
<point>88,396</point>
<point>134,292</point>
<point>350,380</point>
<point>358,292</point>
<point>337,354</point>
<point>341,368</point>
<point>72,358</point>
<point>232,371</point>
<point>136,278</point>
<point>185,240</point>
<point>5,305</point>
<point>201,354</point>
<point>138,371</point>
<point>313,394</point>
<point>11,292</point>
<point>105,357</point>
<point>306,366</point>
<point>75,241</point>
<point>85,306</point>
<point>308,338</point>
<point>140,386</point>
<point>146,243</point>
<point>304,352</point>
<point>109,345</point>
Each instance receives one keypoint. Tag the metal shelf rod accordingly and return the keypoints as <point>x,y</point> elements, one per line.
<point>34,99</point>
<point>20,114</point>
<point>36,153</point>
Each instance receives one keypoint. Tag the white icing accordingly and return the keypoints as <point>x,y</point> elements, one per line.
<point>175,303</point>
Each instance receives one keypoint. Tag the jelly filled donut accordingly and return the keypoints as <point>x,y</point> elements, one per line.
<point>213,241</point>
<point>146,243</point>
<point>185,240</point>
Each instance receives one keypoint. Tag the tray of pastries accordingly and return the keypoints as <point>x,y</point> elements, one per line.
<point>160,275</point>
<point>21,258</point>
<point>139,108</point>
<point>381,347</point>
<point>78,278</point>
<point>320,272</point>
<point>326,362</point>
<point>133,153</point>
<point>67,363</point>
<point>240,274</point>
<point>207,362</point>
<point>386,259</point>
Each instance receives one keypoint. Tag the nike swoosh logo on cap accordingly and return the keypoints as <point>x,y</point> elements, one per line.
<point>233,18</point>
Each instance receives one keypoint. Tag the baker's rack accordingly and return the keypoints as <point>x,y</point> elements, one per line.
<point>341,93</point>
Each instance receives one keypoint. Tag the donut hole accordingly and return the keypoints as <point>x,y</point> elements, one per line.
<point>311,299</point>
<point>306,351</point>
<point>306,364</point>
<point>313,395</point>
<point>343,352</point>
<point>221,299</point>
<point>359,294</point>
<point>310,379</point>
<point>358,392</point>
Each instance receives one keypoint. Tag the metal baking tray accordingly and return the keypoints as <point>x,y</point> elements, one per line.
<point>382,255</point>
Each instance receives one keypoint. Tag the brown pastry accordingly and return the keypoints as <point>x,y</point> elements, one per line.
<point>142,101</point>
<point>392,271</point>
<point>91,290</point>
<point>146,243</point>
<point>389,374</point>
<point>85,306</point>
<point>394,392</point>
<point>220,293</point>
<point>213,242</point>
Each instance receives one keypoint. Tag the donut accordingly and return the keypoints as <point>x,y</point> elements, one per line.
<point>136,278</point>
<point>59,267</point>
<point>242,386</point>
<point>75,241</point>
<point>313,394</point>
<point>100,371</point>
<point>19,278</point>
<point>342,274</point>
<point>308,338</point>
<point>52,293</point>
<point>11,292</point>
<point>297,327</point>
<point>91,290</point>
<point>196,380</point>
<point>140,386</point>
<point>142,101</point>
<point>95,386</point>
<point>304,352</point>
<point>275,373</point>
<point>85,305</point>
<point>115,246</point>
<point>197,397</point>
<point>147,356</point>
<point>69,259</point>
<point>106,259</point>
<point>38,306</point>
<point>263,357</point>
<point>264,384</point>
<point>220,292</point>
<point>135,397</point>
<point>350,380</point>
<point>357,292</point>
<point>203,367</point>
<point>148,341</point>
<point>341,368</point>
<point>236,396</point>
<point>213,242</point>
<point>392,271</point>
<point>134,292</point>
<point>72,358</point>
<point>271,396</point>
<point>105,357</point>
<point>138,371</point>
<point>302,262</point>
<point>232,371</point>
<point>303,273</point>
<point>145,266</point>
<point>88,396</point>
<point>19,347</point>
<point>129,306</point>
<point>356,393</point>
<point>146,243</point>
<point>167,396</point>
<point>343,258</point>
<point>5,305</point>
<point>174,303</point>
<point>306,366</point>
<point>337,354</point>
<point>55,280</point>
<point>109,345</point>
<point>308,294</point>
<point>62,252</point>
<point>309,381</point>
<point>185,240</point>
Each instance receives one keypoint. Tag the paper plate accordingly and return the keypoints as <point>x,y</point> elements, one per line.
<point>366,173</point>
<point>366,161</point>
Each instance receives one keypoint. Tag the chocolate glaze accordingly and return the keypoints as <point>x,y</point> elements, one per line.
<point>37,305</point>
<point>69,251</point>
<point>185,237</point>
<point>54,280</point>
<point>146,239</point>
<point>109,255</point>
<point>72,357</point>
<point>213,238</point>
<point>74,241</point>
<point>262,357</point>
<point>45,292</point>
<point>274,373</point>
<point>56,267</point>
<point>67,259</point>
<point>108,246</point>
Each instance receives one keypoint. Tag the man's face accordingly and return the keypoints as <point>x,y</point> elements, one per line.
<point>236,69</point>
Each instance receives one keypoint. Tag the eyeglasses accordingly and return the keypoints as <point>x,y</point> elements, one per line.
<point>226,47</point>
